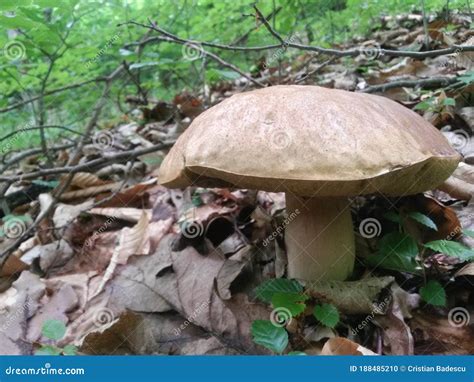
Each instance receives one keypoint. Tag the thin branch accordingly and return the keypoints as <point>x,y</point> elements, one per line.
<point>5,137</point>
<point>28,153</point>
<point>353,52</point>
<point>47,93</point>
<point>174,39</point>
<point>88,166</point>
<point>423,83</point>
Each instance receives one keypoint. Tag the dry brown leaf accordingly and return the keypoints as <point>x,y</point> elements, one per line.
<point>91,191</point>
<point>13,265</point>
<point>128,214</point>
<point>460,184</point>
<point>343,346</point>
<point>85,180</point>
<point>351,297</point>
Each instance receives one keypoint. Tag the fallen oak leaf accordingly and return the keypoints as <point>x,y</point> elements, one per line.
<point>350,297</point>
<point>132,241</point>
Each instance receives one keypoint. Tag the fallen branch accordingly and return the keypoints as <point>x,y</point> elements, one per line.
<point>88,166</point>
<point>423,83</point>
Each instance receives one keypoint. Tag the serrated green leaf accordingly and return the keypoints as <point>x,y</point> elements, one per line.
<point>53,329</point>
<point>423,219</point>
<point>451,248</point>
<point>294,302</point>
<point>398,243</point>
<point>265,291</point>
<point>269,336</point>
<point>326,314</point>
<point>433,293</point>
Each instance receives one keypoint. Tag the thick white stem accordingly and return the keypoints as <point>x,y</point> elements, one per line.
<point>319,240</point>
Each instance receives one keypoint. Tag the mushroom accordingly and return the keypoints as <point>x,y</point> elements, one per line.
<point>319,146</point>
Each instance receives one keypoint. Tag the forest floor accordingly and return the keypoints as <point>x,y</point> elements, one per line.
<point>115,263</point>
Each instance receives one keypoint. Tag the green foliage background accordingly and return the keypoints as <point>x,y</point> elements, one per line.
<point>85,42</point>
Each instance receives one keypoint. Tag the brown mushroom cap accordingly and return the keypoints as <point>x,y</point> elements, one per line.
<point>312,141</point>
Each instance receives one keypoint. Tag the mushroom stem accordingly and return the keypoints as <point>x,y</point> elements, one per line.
<point>319,241</point>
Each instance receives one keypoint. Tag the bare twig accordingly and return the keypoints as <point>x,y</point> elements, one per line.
<point>353,52</point>
<point>423,83</point>
<point>88,166</point>
<point>50,92</point>
<point>169,37</point>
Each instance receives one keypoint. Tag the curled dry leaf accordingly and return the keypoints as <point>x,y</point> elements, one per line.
<point>460,184</point>
<point>85,180</point>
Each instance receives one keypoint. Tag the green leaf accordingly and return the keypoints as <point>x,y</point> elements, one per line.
<point>269,336</point>
<point>449,102</point>
<point>398,243</point>
<point>423,219</point>
<point>433,293</point>
<point>53,329</point>
<point>294,302</point>
<point>451,248</point>
<point>393,217</point>
<point>468,232</point>
<point>69,350</point>
<point>397,251</point>
<point>327,314</point>
<point>265,291</point>
<point>48,350</point>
